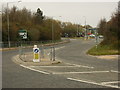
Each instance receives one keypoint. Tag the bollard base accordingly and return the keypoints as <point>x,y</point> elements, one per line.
<point>36,60</point>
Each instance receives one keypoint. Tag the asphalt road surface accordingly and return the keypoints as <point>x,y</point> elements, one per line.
<point>78,70</point>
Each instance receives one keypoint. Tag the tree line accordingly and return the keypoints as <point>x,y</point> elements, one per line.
<point>38,26</point>
<point>111,29</point>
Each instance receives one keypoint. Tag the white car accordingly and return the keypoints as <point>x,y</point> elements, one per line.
<point>92,35</point>
<point>100,36</point>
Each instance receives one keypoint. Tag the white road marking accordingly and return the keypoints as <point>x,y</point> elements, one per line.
<point>73,39</point>
<point>80,65</point>
<point>59,48</point>
<point>115,71</point>
<point>110,82</point>
<point>34,69</point>
<point>92,83</point>
<point>80,72</point>
<point>56,66</point>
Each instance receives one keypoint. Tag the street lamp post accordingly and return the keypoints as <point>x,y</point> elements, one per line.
<point>53,48</point>
<point>8,24</point>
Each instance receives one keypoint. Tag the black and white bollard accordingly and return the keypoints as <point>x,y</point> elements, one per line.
<point>36,52</point>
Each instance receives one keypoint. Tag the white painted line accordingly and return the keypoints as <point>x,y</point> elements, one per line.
<point>73,39</point>
<point>34,69</point>
<point>110,82</point>
<point>80,65</point>
<point>92,83</point>
<point>55,66</point>
<point>59,48</point>
<point>80,72</point>
<point>115,71</point>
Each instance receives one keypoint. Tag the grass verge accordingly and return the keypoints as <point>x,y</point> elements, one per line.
<point>103,50</point>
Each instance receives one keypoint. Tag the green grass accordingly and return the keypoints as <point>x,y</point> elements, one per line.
<point>103,50</point>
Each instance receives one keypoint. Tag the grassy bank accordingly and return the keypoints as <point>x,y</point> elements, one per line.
<point>103,50</point>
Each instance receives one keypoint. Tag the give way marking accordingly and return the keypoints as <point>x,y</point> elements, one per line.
<point>100,84</point>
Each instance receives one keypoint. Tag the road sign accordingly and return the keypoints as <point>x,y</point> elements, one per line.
<point>23,34</point>
<point>36,51</point>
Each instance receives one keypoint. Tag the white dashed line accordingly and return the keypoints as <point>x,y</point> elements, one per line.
<point>110,82</point>
<point>34,69</point>
<point>80,72</point>
<point>80,65</point>
<point>92,83</point>
<point>56,66</point>
<point>115,71</point>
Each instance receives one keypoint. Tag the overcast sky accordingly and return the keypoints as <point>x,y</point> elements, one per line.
<point>74,12</point>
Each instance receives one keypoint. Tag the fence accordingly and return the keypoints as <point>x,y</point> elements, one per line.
<point>24,43</point>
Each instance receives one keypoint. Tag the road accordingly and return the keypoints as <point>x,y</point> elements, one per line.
<point>78,70</point>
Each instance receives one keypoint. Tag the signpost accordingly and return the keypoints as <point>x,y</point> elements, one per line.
<point>23,36</point>
<point>36,51</point>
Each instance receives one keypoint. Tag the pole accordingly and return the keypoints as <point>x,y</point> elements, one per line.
<point>52,31</point>
<point>8,26</point>
<point>53,48</point>
<point>52,35</point>
<point>85,29</point>
<point>96,39</point>
<point>78,30</point>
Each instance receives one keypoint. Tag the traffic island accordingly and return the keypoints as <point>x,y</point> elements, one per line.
<point>28,61</point>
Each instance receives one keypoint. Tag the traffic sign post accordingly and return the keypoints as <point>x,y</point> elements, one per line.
<point>22,36</point>
<point>36,55</point>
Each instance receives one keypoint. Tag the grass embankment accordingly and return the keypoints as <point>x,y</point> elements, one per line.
<point>103,50</point>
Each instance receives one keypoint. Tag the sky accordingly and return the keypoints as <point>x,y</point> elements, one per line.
<point>75,11</point>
